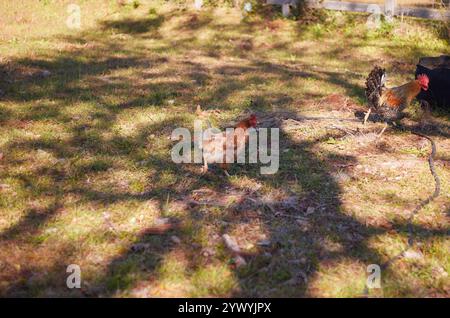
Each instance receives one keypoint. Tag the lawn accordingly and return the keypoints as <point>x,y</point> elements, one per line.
<point>86,174</point>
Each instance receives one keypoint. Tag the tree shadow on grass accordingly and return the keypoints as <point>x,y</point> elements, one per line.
<point>135,26</point>
<point>295,253</point>
<point>292,260</point>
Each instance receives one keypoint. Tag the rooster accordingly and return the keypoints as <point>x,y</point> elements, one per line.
<point>214,145</point>
<point>390,102</point>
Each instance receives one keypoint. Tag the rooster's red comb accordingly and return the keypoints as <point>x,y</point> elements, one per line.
<point>423,79</point>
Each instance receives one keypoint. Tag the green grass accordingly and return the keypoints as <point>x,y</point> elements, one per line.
<point>86,165</point>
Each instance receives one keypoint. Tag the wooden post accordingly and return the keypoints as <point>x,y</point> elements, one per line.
<point>389,10</point>
<point>285,9</point>
<point>285,5</point>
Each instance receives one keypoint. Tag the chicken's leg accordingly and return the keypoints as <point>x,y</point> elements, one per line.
<point>205,166</point>
<point>366,117</point>
<point>382,130</point>
<point>224,166</point>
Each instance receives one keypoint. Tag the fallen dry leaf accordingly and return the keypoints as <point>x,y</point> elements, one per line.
<point>161,226</point>
<point>231,244</point>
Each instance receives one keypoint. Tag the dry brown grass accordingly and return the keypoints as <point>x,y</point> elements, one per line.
<point>85,171</point>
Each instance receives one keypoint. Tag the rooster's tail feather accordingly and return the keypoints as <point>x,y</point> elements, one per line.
<point>374,86</point>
